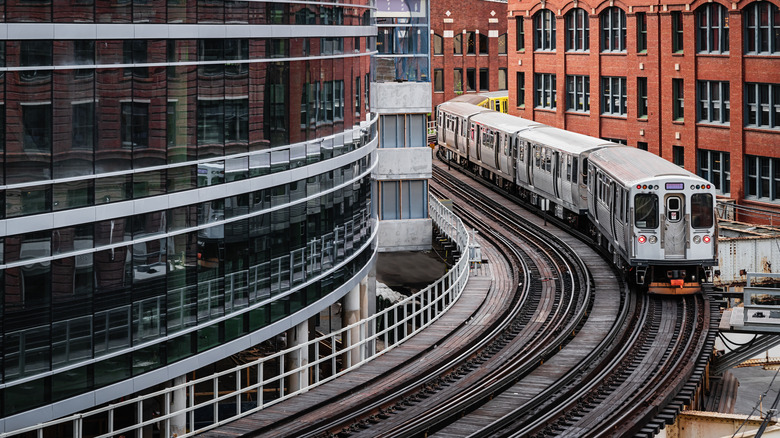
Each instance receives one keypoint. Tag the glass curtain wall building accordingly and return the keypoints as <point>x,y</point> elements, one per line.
<point>180,180</point>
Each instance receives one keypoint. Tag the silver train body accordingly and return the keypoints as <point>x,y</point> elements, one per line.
<point>655,218</point>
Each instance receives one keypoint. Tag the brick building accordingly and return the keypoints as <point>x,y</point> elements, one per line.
<point>696,82</point>
<point>468,47</point>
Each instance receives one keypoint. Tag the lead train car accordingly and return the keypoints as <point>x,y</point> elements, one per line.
<point>600,186</point>
<point>654,215</point>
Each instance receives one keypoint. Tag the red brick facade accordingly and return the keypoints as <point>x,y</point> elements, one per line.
<point>660,65</point>
<point>453,17</point>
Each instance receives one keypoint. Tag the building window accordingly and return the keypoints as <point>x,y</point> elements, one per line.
<point>678,155</point>
<point>484,79</point>
<point>762,178</point>
<point>519,34</point>
<point>83,122</point>
<point>715,167</point>
<point>403,199</point>
<point>545,90</point>
<point>677,32</point>
<point>641,32</point>
<point>502,79</point>
<point>471,43</point>
<point>613,30</point>
<point>713,102</point>
<point>642,145</point>
<point>35,54</point>
<point>712,29</point>
<point>641,101</point>
<point>678,100</point>
<point>36,124</point>
<point>402,131</point>
<point>520,89</point>
<point>438,45</point>
<point>471,79</point>
<point>135,52</point>
<point>613,96</point>
<point>484,45</point>
<point>502,44</point>
<point>544,28</point>
<point>577,31</point>
<point>237,117</point>
<point>578,93</point>
<point>438,80</point>
<point>762,28</point>
<point>457,44</point>
<point>622,141</point>
<point>457,80</point>
<point>357,98</point>
<point>762,105</point>
<point>135,125</point>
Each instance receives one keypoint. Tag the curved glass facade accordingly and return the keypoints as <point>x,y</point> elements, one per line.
<point>169,188</point>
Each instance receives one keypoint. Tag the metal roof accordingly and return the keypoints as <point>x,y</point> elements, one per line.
<point>630,165</point>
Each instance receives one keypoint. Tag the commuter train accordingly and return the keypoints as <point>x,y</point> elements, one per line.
<point>655,218</point>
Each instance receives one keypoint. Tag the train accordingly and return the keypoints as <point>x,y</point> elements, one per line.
<point>654,218</point>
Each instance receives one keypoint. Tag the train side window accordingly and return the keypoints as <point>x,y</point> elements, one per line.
<point>574,170</point>
<point>702,210</point>
<point>646,210</point>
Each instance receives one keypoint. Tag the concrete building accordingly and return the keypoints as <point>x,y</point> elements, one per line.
<point>468,47</point>
<point>181,181</point>
<point>696,82</point>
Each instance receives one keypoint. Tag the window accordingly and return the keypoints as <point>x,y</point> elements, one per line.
<point>457,44</point>
<point>519,34</point>
<point>471,43</point>
<point>402,131</point>
<point>135,125</point>
<point>713,102</point>
<point>83,123</point>
<point>471,79</point>
<point>712,29</point>
<point>613,96</point>
<point>135,52</point>
<point>762,28</point>
<point>642,145</point>
<point>641,98</point>
<point>762,105</point>
<point>438,80</point>
<point>457,80</point>
<point>545,90</point>
<point>357,98</point>
<point>36,123</point>
<point>613,30</point>
<point>578,93</point>
<point>646,208</point>
<point>237,118</point>
<point>502,78</point>
<point>577,31</point>
<point>438,45</point>
<point>403,199</point>
<point>544,29</point>
<point>35,54</point>
<point>762,177</point>
<point>520,89</point>
<point>702,209</point>
<point>715,167</point>
<point>641,32</point>
<point>484,45</point>
<point>677,32</point>
<point>484,79</point>
<point>678,98</point>
<point>678,155</point>
<point>502,44</point>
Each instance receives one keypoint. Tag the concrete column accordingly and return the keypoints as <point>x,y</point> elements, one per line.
<point>298,335</point>
<point>179,403</point>
<point>350,314</point>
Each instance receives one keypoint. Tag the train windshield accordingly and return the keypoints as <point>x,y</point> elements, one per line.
<point>646,210</point>
<point>701,210</point>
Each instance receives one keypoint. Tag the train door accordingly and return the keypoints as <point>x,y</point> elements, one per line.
<point>674,227</point>
<point>530,157</point>
<point>556,174</point>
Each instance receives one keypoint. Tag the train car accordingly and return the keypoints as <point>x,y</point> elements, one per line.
<point>655,216</point>
<point>552,163</point>
<point>493,143</point>
<point>452,128</point>
<point>494,100</point>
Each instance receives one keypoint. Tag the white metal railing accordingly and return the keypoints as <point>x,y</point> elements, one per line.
<point>199,405</point>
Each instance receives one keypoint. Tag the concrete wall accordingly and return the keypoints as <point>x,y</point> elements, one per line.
<point>403,163</point>
<point>405,235</point>
<point>401,97</point>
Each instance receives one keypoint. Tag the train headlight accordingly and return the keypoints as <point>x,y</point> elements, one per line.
<point>706,239</point>
<point>642,239</point>
<point>653,239</point>
<point>696,239</point>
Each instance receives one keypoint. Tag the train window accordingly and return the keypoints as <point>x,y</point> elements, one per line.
<point>521,152</point>
<point>701,210</point>
<point>646,210</point>
<point>537,157</point>
<point>673,209</point>
<point>574,169</point>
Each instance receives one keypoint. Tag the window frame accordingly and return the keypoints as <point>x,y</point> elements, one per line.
<point>712,38</point>
<point>577,31</point>
<point>544,31</point>
<point>578,93</point>
<point>545,91</point>
<point>706,105</point>
<point>755,108</point>
<point>609,93</point>
<point>613,30</point>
